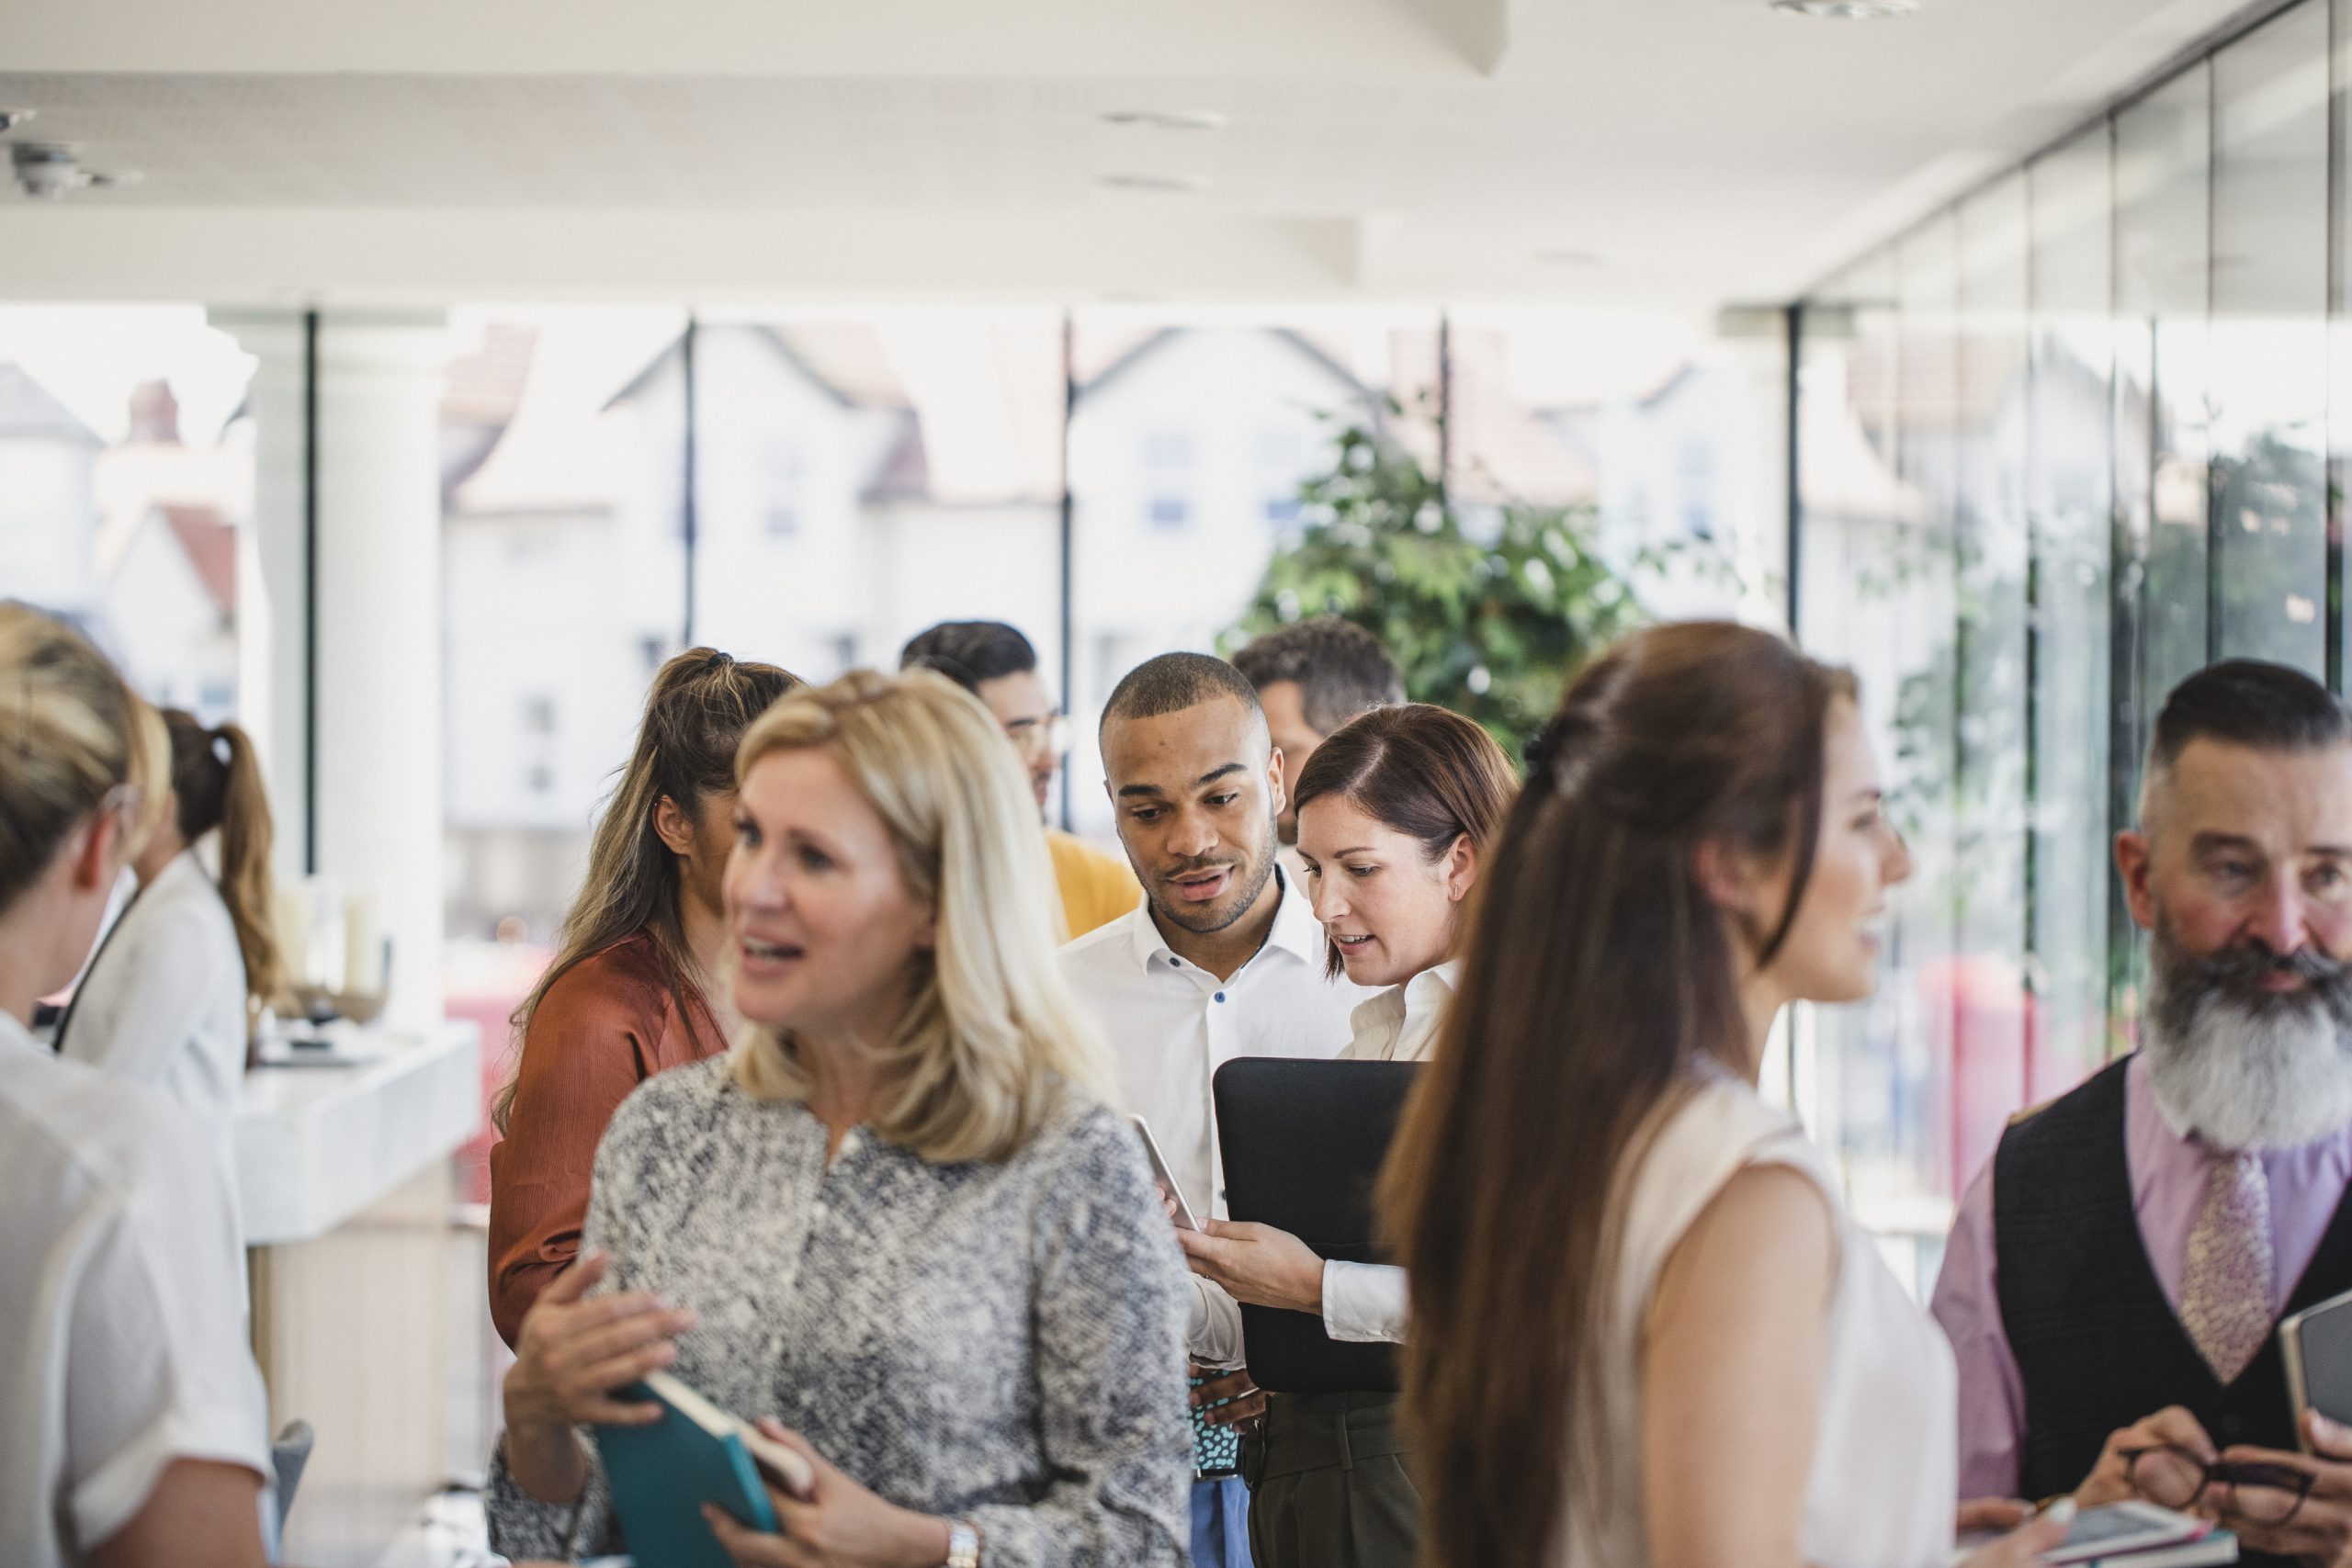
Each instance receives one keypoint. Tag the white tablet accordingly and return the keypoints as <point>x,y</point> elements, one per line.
<point>1185,1218</point>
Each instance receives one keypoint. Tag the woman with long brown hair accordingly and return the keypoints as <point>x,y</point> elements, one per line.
<point>635,985</point>
<point>1645,1332</point>
<point>172,998</point>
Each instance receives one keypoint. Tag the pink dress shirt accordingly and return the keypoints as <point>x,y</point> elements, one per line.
<point>2169,1170</point>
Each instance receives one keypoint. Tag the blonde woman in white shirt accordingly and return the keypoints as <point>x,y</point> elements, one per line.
<point>134,1420</point>
<point>171,998</point>
<point>1396,812</point>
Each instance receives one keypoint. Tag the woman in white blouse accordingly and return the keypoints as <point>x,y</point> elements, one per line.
<point>171,998</point>
<point>1646,1333</point>
<point>131,1416</point>
<point>1396,812</point>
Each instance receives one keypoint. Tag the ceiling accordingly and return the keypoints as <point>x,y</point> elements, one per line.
<point>1680,153</point>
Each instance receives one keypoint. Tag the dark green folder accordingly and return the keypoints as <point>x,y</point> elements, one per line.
<point>662,1474</point>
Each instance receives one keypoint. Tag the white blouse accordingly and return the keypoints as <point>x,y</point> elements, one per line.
<point>165,1003</point>
<point>1362,1303</point>
<point>122,1341</point>
<point>1885,1455</point>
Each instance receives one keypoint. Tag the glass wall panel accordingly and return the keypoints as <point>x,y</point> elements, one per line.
<point>1189,440</point>
<point>2269,376</point>
<point>2339,333</point>
<point>1672,436</point>
<point>2109,460</point>
<point>1987,427</point>
<point>2162,168</point>
<point>862,474</point>
<point>1880,483</point>
<point>2070,490</point>
<point>125,482</point>
<point>563,591</point>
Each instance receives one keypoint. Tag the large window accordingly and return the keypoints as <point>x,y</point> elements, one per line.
<point>2060,445</point>
<point>564,590</point>
<point>126,480</point>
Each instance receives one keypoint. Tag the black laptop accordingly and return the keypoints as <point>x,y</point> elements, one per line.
<point>1303,1142</point>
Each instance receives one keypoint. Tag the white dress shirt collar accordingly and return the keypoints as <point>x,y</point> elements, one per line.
<point>1400,1024</point>
<point>1296,931</point>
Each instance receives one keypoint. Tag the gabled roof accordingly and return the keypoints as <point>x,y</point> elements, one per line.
<point>29,412</point>
<point>842,361</point>
<point>1152,343</point>
<point>210,546</point>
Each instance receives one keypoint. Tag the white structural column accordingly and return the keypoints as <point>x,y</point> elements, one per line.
<point>377,793</point>
<point>372,645</point>
<point>272,561</point>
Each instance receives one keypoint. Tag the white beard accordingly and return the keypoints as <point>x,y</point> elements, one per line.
<point>2275,1076</point>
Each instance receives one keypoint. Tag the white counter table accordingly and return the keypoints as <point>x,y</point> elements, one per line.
<point>318,1144</point>
<point>346,1185</point>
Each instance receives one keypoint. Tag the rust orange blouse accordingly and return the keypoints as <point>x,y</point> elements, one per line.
<point>609,1024</point>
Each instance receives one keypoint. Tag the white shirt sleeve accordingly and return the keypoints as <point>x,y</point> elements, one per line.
<point>157,1367</point>
<point>1364,1303</point>
<point>1213,1327</point>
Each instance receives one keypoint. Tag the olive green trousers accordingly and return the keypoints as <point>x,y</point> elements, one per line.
<point>1328,1486</point>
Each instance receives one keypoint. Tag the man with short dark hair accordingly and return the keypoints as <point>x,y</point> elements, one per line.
<point>1312,677</point>
<point>996,663</point>
<point>1222,958</point>
<point>2132,1245</point>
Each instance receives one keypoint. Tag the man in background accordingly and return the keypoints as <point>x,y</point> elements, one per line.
<point>996,663</point>
<point>1312,677</point>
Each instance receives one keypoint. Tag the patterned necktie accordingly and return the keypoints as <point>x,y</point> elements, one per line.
<point>2225,1285</point>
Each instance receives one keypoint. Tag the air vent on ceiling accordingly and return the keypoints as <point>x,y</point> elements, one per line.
<point>1848,10</point>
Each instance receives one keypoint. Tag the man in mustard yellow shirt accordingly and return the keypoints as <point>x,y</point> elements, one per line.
<point>996,663</point>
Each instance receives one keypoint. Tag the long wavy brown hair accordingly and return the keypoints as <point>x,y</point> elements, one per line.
<point>701,702</point>
<point>1599,973</point>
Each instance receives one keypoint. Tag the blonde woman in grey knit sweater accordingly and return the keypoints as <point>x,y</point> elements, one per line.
<point>896,1220</point>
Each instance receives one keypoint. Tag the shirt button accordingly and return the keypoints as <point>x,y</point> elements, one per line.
<point>1220,996</point>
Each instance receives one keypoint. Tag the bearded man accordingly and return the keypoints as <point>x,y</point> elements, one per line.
<point>2113,1283</point>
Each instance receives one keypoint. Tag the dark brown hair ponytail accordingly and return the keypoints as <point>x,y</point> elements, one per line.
<point>701,702</point>
<point>217,781</point>
<point>1598,976</point>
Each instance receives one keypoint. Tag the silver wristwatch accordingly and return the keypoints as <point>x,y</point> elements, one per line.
<point>963,1545</point>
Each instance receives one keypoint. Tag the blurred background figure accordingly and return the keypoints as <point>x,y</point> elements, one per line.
<point>996,663</point>
<point>189,969</point>
<point>1312,677</point>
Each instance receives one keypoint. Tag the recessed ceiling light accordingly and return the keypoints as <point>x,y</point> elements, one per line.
<point>1165,119</point>
<point>1848,10</point>
<point>1153,182</point>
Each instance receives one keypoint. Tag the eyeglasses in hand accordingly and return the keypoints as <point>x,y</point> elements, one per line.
<point>2172,1477</point>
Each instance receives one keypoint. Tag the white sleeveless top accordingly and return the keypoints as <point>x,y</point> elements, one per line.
<point>1886,1446</point>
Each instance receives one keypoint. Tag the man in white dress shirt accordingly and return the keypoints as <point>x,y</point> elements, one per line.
<point>1222,958</point>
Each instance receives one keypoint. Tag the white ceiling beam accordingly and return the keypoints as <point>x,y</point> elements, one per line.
<point>1374,41</point>
<point>284,256</point>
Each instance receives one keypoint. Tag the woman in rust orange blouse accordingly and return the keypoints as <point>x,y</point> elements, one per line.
<point>634,985</point>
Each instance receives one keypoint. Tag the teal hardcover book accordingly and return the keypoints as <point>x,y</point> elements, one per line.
<point>662,1474</point>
